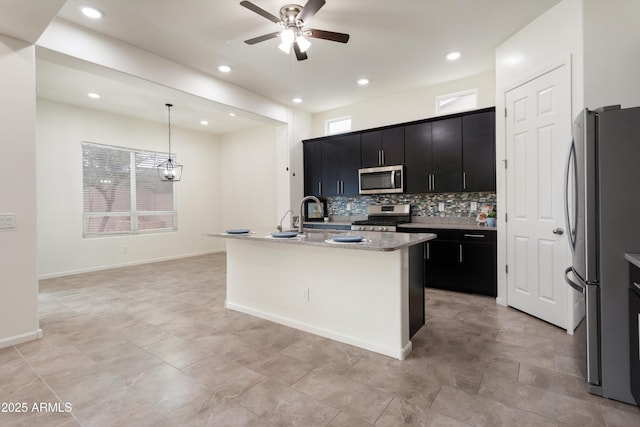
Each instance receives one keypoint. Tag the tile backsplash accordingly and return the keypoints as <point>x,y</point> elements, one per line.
<point>422,205</point>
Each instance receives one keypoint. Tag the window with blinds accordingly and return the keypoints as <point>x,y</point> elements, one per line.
<point>122,193</point>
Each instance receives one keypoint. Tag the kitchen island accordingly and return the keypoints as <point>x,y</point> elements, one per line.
<point>355,293</point>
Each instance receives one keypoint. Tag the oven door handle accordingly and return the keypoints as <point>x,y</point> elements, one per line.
<point>577,286</point>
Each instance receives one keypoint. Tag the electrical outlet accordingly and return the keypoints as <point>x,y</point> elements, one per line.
<point>348,206</point>
<point>125,249</point>
<point>474,206</point>
<point>440,207</point>
<point>305,294</point>
<point>7,220</point>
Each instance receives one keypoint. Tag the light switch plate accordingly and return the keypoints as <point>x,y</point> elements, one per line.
<point>7,220</point>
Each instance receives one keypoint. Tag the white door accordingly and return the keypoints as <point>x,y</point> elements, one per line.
<point>538,135</point>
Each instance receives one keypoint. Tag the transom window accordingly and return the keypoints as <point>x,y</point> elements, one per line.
<point>338,125</point>
<point>122,192</point>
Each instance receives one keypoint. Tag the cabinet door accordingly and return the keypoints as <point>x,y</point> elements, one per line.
<point>478,259</point>
<point>476,270</point>
<point>371,146</point>
<point>331,176</point>
<point>446,149</point>
<point>478,152</point>
<point>349,164</point>
<point>393,146</point>
<point>442,265</point>
<point>417,165</point>
<point>312,168</point>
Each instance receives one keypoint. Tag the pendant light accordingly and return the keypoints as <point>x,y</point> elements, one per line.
<point>169,170</point>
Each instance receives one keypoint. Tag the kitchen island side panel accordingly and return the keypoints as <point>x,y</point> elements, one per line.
<point>355,297</point>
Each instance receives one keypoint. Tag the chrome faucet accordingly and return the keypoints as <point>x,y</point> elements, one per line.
<point>279,227</point>
<point>301,217</point>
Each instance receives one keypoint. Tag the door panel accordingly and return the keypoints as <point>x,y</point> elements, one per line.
<point>538,134</point>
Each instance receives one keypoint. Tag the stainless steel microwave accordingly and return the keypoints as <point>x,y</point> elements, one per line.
<point>380,180</point>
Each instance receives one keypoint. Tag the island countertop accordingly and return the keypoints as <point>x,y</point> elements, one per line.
<point>633,259</point>
<point>372,241</point>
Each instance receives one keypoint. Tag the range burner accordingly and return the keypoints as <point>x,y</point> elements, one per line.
<point>383,218</point>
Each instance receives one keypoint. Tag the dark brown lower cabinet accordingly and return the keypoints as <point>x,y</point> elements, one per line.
<point>461,260</point>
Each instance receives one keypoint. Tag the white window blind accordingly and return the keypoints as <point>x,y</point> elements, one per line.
<point>122,193</point>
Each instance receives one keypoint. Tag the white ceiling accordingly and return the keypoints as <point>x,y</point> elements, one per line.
<point>398,45</point>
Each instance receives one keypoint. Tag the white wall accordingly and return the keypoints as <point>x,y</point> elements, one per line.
<point>18,261</point>
<point>248,173</point>
<point>553,38</point>
<point>61,247</point>
<point>407,106</point>
<point>611,53</point>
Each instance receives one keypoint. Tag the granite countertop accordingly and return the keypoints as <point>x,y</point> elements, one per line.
<point>451,226</point>
<point>451,223</point>
<point>633,259</point>
<point>373,241</point>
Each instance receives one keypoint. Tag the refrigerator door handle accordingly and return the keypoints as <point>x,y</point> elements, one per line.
<point>577,286</point>
<point>571,158</point>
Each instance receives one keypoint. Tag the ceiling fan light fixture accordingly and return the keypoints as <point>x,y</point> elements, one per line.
<point>288,37</point>
<point>303,43</point>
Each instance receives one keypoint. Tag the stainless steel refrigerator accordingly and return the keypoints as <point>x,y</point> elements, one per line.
<point>603,219</point>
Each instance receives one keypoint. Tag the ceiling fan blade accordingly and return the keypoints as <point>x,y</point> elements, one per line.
<point>299,54</point>
<point>310,9</point>
<point>252,7</point>
<point>328,35</point>
<point>262,38</point>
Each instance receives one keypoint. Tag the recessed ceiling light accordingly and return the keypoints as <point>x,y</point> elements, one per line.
<point>224,68</point>
<point>91,12</point>
<point>363,81</point>
<point>452,56</point>
<point>232,114</point>
<point>204,122</point>
<point>93,95</point>
<point>297,100</point>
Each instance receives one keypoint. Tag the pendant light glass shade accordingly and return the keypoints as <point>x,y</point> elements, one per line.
<point>169,170</point>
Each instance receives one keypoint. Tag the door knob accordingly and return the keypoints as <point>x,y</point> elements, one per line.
<point>558,231</point>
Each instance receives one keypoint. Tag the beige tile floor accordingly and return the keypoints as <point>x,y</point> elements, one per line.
<point>153,345</point>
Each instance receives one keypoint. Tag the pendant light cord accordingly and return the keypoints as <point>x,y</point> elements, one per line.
<point>169,114</point>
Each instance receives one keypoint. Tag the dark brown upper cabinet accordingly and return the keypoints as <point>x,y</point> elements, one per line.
<point>382,147</point>
<point>479,151</point>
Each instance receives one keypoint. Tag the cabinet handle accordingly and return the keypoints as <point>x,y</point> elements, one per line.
<point>338,187</point>
<point>341,187</point>
<point>428,249</point>
<point>434,182</point>
<point>464,180</point>
<point>460,253</point>
<point>319,187</point>
<point>382,164</point>
<point>430,182</point>
<point>475,235</point>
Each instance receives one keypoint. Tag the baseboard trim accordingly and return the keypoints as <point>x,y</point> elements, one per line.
<point>19,339</point>
<point>397,353</point>
<point>126,264</point>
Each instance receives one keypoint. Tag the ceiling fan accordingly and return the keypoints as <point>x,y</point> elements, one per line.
<point>292,20</point>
